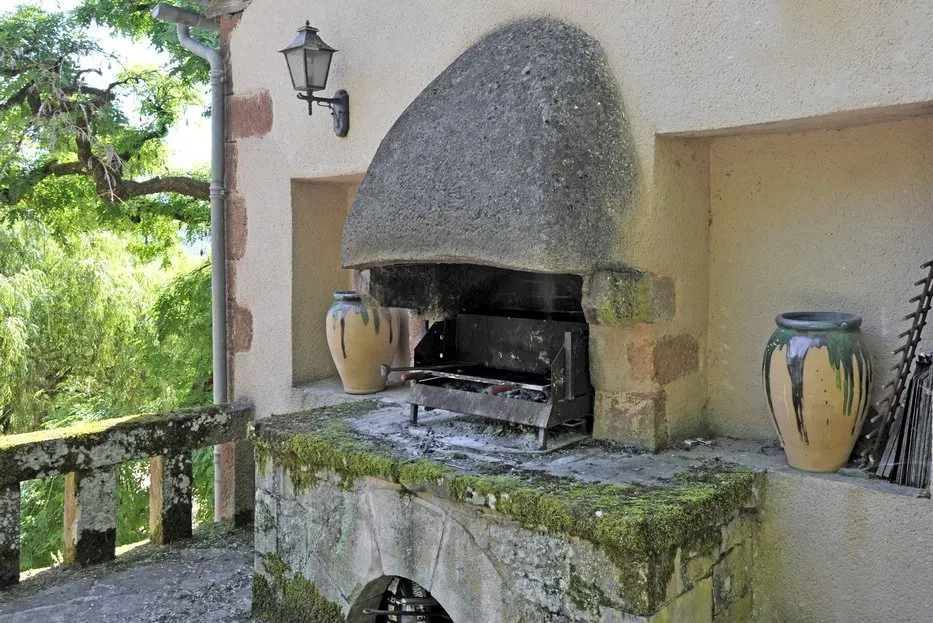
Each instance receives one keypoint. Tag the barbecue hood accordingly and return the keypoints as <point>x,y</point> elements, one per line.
<point>517,156</point>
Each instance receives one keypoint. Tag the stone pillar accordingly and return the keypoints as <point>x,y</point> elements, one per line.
<point>237,483</point>
<point>9,535</point>
<point>170,487</point>
<point>90,516</point>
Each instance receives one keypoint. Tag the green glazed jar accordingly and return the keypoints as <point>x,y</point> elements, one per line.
<point>818,378</point>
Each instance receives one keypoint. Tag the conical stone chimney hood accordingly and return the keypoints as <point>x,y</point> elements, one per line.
<point>517,156</point>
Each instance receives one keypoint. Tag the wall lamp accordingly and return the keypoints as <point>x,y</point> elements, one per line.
<point>308,60</point>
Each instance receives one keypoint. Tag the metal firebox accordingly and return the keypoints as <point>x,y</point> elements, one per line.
<point>526,371</point>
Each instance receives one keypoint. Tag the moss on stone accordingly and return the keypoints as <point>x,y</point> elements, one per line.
<point>332,447</point>
<point>83,429</point>
<point>587,596</point>
<point>329,449</point>
<point>640,528</point>
<point>421,473</point>
<point>624,298</point>
<point>74,448</point>
<point>627,300</point>
<point>286,597</point>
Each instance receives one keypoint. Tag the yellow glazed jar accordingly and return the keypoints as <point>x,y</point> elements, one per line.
<point>817,375</point>
<point>361,337</point>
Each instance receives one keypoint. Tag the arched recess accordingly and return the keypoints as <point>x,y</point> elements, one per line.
<point>376,599</point>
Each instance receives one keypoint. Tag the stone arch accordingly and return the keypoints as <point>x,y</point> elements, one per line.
<point>431,543</point>
<point>371,598</point>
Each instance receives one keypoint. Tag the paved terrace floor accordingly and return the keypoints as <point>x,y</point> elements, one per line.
<point>206,580</point>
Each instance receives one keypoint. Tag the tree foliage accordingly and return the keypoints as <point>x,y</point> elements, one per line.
<point>70,318</point>
<point>69,108</point>
<point>102,312</point>
<point>87,332</point>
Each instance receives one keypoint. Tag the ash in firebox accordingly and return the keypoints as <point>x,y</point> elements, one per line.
<point>440,429</point>
<point>516,393</point>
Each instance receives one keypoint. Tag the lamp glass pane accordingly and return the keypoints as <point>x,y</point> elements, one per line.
<point>318,68</point>
<point>296,67</point>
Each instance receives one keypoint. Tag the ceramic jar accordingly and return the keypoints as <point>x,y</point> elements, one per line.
<point>361,337</point>
<point>817,374</point>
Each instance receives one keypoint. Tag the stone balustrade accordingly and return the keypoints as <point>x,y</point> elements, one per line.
<point>89,454</point>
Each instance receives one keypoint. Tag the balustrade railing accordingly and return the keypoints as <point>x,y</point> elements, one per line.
<point>88,456</point>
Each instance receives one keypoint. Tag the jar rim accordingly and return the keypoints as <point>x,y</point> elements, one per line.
<point>819,321</point>
<point>346,295</point>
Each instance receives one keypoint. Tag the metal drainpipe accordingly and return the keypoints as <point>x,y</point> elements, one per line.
<point>184,21</point>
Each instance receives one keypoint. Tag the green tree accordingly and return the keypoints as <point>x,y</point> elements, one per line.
<point>77,160</point>
<point>67,135</point>
<point>89,332</point>
<point>71,323</point>
<point>101,312</point>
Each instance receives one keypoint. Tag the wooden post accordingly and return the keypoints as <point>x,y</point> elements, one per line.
<point>9,535</point>
<point>170,487</point>
<point>238,491</point>
<point>90,516</point>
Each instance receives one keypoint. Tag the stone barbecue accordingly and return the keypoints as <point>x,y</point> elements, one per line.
<point>658,180</point>
<point>506,227</point>
<point>358,514</point>
<point>500,237</point>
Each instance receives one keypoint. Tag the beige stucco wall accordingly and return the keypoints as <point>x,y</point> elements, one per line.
<point>835,219</point>
<point>318,212</point>
<point>834,552</point>
<point>746,224</point>
<point>681,204</point>
<point>684,68</point>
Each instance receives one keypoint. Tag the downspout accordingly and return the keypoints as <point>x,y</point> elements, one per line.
<point>185,20</point>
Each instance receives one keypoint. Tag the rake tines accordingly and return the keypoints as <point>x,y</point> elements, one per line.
<point>889,420</point>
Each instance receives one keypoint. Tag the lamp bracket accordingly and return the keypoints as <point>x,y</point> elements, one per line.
<point>339,106</point>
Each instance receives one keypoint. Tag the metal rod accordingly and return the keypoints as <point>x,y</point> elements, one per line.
<point>568,366</point>
<point>490,380</point>
<point>385,370</point>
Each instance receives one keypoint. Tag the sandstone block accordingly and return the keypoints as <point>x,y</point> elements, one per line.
<point>241,328</point>
<point>236,226</point>
<point>90,516</point>
<point>625,298</point>
<point>636,418</point>
<point>250,115</point>
<point>674,357</point>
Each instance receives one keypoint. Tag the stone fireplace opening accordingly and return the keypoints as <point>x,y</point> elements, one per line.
<point>396,599</point>
<point>441,291</point>
<point>503,344</point>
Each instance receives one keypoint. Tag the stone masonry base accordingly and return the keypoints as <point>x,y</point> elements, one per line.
<point>333,542</point>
